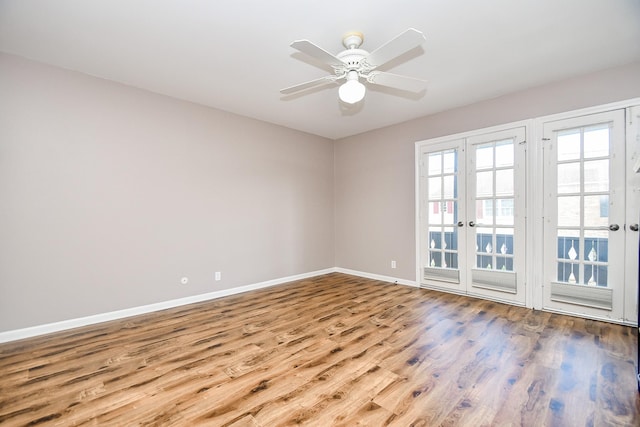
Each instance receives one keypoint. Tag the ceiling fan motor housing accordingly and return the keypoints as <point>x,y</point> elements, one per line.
<point>352,58</point>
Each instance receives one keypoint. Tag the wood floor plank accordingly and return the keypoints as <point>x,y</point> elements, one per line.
<point>330,350</point>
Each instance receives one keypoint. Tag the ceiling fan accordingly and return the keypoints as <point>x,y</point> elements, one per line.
<point>354,63</point>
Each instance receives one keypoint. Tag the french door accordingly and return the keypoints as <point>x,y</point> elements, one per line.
<point>442,217</point>
<point>589,231</point>
<point>471,217</point>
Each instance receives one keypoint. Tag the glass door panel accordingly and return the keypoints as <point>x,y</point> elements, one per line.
<point>496,171</point>
<point>440,207</point>
<point>584,210</point>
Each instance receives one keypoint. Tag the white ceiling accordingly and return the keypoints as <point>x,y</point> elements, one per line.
<point>234,54</point>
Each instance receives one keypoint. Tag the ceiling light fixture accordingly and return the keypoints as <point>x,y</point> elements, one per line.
<point>352,91</point>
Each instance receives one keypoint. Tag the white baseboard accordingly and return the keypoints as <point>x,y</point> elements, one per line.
<point>375,276</point>
<point>33,331</point>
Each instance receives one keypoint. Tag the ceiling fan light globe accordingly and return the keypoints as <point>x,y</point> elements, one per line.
<point>352,92</point>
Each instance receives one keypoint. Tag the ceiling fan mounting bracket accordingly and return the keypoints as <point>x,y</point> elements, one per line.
<point>352,39</point>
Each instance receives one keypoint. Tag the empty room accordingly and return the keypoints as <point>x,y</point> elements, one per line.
<point>251,213</point>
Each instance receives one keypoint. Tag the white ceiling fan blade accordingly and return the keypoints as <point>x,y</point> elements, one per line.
<point>395,47</point>
<point>396,81</point>
<point>307,85</point>
<point>317,52</point>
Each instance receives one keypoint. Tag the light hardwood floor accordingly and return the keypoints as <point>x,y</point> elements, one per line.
<point>331,350</point>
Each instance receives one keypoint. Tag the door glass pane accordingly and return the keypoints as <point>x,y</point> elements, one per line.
<point>450,260</point>
<point>484,211</point>
<point>596,211</point>
<point>484,184</point>
<point>451,238</point>
<point>596,275</point>
<point>568,272</point>
<point>569,145</point>
<point>596,141</point>
<point>435,188</point>
<point>596,245</point>
<point>435,246</point>
<point>504,153</point>
<point>435,213</point>
<point>568,251</point>
<point>450,247</point>
<point>504,249</point>
<point>504,211</point>
<point>596,254</point>
<point>504,182</point>
<point>596,175</point>
<point>435,237</point>
<point>569,211</point>
<point>449,186</point>
<point>484,156</point>
<point>435,164</point>
<point>569,178</point>
<point>484,247</point>
<point>450,162</point>
<point>568,244</point>
<point>451,213</point>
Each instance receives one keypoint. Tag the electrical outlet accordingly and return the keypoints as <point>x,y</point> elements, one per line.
<point>393,264</point>
<point>218,275</point>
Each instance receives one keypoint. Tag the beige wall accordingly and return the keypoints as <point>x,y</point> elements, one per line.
<point>374,171</point>
<point>109,195</point>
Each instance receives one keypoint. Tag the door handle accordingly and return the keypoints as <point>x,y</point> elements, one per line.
<point>472,224</point>
<point>614,227</point>
<point>461,224</point>
<point>634,227</point>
